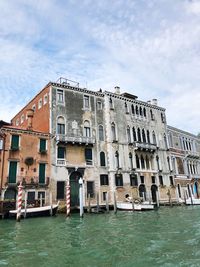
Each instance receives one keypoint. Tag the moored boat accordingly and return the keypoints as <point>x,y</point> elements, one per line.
<point>192,201</point>
<point>36,212</point>
<point>135,206</point>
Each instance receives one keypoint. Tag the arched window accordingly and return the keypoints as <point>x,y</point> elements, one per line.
<point>87,131</point>
<point>101,133</point>
<point>165,142</point>
<point>162,117</point>
<point>60,125</point>
<point>134,134</point>
<point>158,163</point>
<point>154,138</point>
<point>131,160</point>
<point>142,162</point>
<point>136,110</point>
<point>126,108</point>
<point>111,103</point>
<point>139,135</point>
<point>117,159</point>
<point>144,112</point>
<point>144,136</point>
<point>148,137</point>
<point>147,163</point>
<point>141,113</point>
<point>137,161</point>
<point>151,115</point>
<point>129,134</point>
<point>132,109</point>
<point>113,130</point>
<point>102,159</point>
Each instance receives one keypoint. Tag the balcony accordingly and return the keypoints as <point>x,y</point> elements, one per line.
<point>75,139</point>
<point>145,146</point>
<point>192,154</point>
<point>61,162</point>
<point>27,181</point>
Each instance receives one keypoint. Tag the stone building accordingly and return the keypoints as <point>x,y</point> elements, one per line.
<point>114,141</point>
<point>184,151</point>
<point>24,157</point>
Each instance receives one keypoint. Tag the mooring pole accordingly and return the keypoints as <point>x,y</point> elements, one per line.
<point>25,204</point>
<point>115,203</point>
<point>19,202</point>
<point>50,196</point>
<point>157,199</point>
<point>67,199</point>
<point>97,202</point>
<point>107,202</point>
<point>81,196</point>
<point>89,206</point>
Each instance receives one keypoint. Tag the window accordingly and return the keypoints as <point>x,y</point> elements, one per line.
<point>148,137</point>
<point>147,163</point>
<point>136,110</point>
<point>88,156</point>
<point>137,161</point>
<point>158,163</point>
<point>34,108</point>
<point>43,145</point>
<point>1,144</point>
<point>105,196</point>
<point>131,160</point>
<point>117,159</point>
<point>15,142</point>
<point>102,159</point>
<point>168,162</point>
<point>133,109</point>
<point>129,134</point>
<point>60,190</point>
<point>61,152</point>
<point>118,179</point>
<point>30,197</point>
<point>142,162</point>
<point>126,108</point>
<point>139,135</point>
<point>86,131</point>
<point>99,105</point>
<point>101,133</point>
<point>162,117</point>
<point>153,179</point>
<point>133,180</point>
<point>161,180</point>
<point>134,134</point>
<point>141,113</point>
<point>144,136</point>
<point>42,167</point>
<point>142,179</point>
<point>171,180</point>
<point>12,175</point>
<point>86,102</point>
<point>90,189</point>
<point>104,179</point>
<point>40,103</point>
<point>41,195</point>
<point>113,130</point>
<point>165,141</point>
<point>17,122</point>
<point>22,118</point>
<point>45,99</point>
<point>144,112</point>
<point>151,115</point>
<point>111,103</point>
<point>154,138</point>
<point>60,96</point>
<point>60,125</point>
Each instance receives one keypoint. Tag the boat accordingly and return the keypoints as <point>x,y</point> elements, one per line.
<point>36,212</point>
<point>192,201</point>
<point>135,206</point>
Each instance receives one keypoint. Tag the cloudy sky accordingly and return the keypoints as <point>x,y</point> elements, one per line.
<point>150,48</point>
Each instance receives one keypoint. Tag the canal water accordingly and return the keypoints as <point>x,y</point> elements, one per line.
<point>167,237</point>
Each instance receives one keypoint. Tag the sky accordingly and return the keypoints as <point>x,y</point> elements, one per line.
<point>150,48</point>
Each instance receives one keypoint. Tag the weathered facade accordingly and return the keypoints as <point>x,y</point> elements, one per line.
<point>184,150</point>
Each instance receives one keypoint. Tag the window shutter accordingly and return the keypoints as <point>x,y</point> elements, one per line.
<point>88,154</point>
<point>42,173</point>
<point>15,142</point>
<point>12,172</point>
<point>42,145</point>
<point>61,152</point>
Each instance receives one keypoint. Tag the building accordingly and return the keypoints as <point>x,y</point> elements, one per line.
<point>184,150</point>
<point>24,157</point>
<point>114,141</point>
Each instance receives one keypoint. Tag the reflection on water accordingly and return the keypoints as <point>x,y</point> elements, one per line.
<point>167,237</point>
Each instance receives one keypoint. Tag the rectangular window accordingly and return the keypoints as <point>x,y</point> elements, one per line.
<point>60,128</point>
<point>60,190</point>
<point>40,103</point>
<point>41,196</point>
<point>60,96</point>
<point>31,197</point>
<point>34,108</point>
<point>133,180</point>
<point>90,189</point>
<point>86,102</point>
<point>43,145</point>
<point>99,105</point>
<point>88,156</point>
<point>161,180</point>
<point>171,180</point>
<point>1,144</point>
<point>104,195</point>
<point>12,176</point>
<point>118,180</point>
<point>42,167</point>
<point>15,142</point>
<point>142,179</point>
<point>87,131</point>
<point>153,179</point>
<point>61,152</point>
<point>104,179</point>
<point>45,99</point>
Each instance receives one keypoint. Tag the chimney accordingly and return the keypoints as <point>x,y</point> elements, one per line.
<point>117,90</point>
<point>154,102</point>
<point>30,113</point>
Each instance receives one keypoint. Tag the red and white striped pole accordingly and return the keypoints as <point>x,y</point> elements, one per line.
<point>67,199</point>
<point>19,202</point>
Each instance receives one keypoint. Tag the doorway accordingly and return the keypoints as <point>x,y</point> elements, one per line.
<point>74,188</point>
<point>154,189</point>
<point>142,191</point>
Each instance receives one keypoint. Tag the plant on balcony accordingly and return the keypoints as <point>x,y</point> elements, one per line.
<point>29,161</point>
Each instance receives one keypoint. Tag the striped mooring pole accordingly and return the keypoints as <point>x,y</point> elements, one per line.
<point>19,202</point>
<point>67,199</point>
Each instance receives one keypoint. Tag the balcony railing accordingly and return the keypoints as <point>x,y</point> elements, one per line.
<point>28,181</point>
<point>145,146</point>
<point>192,154</point>
<point>61,162</point>
<point>75,139</point>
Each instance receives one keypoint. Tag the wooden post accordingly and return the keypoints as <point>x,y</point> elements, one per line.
<point>40,200</point>
<point>98,202</point>
<point>19,202</point>
<point>67,199</point>
<point>25,204</point>
<point>115,203</point>
<point>51,210</point>
<point>107,204</point>
<point>89,206</point>
<point>81,196</point>
<point>157,199</point>
<point>132,201</point>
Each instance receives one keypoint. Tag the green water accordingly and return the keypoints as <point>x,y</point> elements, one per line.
<point>167,237</point>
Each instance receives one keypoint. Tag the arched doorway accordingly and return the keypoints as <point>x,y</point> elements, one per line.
<point>154,189</point>
<point>196,189</point>
<point>74,188</point>
<point>189,190</point>
<point>10,194</point>
<point>142,191</point>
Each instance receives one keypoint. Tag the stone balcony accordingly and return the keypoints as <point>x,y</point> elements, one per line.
<point>145,146</point>
<point>81,140</point>
<point>192,154</point>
